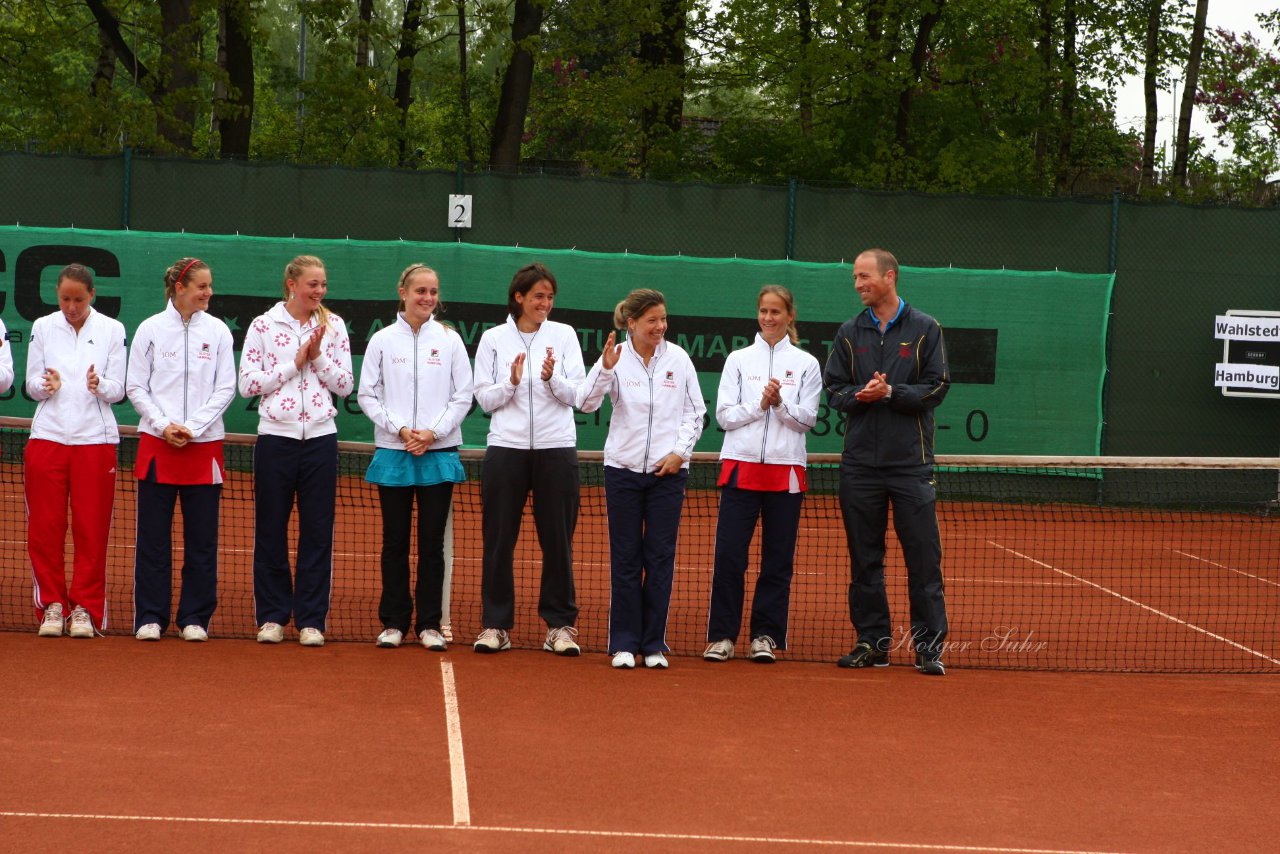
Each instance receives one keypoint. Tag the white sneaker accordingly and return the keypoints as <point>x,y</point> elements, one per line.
<point>492,640</point>
<point>311,637</point>
<point>721,650</point>
<point>561,641</point>
<point>446,631</point>
<point>433,640</point>
<point>148,632</point>
<point>655,659</point>
<point>51,626</point>
<point>81,624</point>
<point>194,633</point>
<point>271,633</point>
<point>624,661</point>
<point>390,638</point>
<point>762,650</point>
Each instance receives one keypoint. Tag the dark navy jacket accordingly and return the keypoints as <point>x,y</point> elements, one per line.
<point>897,431</point>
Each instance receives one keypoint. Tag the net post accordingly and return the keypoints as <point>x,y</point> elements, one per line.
<point>446,628</point>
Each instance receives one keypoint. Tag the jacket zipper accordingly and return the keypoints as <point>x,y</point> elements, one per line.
<point>648,435</point>
<point>186,365</point>
<point>764,442</point>
<point>414,419</point>
<point>528,366</point>
<point>302,393</point>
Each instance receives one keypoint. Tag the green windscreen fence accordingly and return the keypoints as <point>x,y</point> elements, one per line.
<point>1027,349</point>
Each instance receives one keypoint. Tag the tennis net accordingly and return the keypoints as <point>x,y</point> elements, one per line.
<point>1050,563</point>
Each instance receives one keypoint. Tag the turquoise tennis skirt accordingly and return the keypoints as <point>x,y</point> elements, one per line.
<point>392,467</point>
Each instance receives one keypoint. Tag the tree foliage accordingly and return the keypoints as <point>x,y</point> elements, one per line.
<point>1240,90</point>
<point>979,96</point>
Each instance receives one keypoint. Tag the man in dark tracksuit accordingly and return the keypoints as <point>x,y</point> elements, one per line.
<point>888,370</point>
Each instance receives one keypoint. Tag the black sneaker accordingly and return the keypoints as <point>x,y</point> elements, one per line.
<point>930,666</point>
<point>864,655</point>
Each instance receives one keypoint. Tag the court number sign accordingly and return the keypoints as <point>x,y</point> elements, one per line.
<point>459,211</point>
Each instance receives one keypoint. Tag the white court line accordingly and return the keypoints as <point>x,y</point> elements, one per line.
<point>1141,605</point>
<point>1227,568</point>
<point>457,762</point>
<point>552,831</point>
<point>1021,582</point>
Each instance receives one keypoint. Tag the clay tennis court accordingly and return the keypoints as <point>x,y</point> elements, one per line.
<point>112,745</point>
<point>115,745</point>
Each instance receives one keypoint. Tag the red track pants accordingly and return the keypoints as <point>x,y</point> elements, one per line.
<point>87,475</point>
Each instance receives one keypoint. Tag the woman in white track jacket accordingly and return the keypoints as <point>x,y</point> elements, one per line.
<point>658,415</point>
<point>528,377</point>
<point>415,386</point>
<point>296,357</point>
<point>767,403</point>
<point>182,377</point>
<point>75,370</point>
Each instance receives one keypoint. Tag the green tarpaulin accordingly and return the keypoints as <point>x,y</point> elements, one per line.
<point>1027,349</point>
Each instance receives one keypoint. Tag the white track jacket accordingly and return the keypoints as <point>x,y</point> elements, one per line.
<point>420,380</point>
<point>6,360</point>
<point>74,415</point>
<point>657,408</point>
<point>182,373</point>
<point>534,414</point>
<point>295,404</point>
<point>775,435</point>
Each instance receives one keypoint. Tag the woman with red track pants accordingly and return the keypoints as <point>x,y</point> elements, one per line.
<point>296,357</point>
<point>657,418</point>
<point>182,377</point>
<point>75,371</point>
<point>415,386</point>
<point>767,403</point>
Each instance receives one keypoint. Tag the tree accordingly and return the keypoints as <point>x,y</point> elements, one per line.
<point>404,69</point>
<point>517,82</point>
<point>1070,90</point>
<point>464,84</point>
<point>172,85</point>
<point>1241,92</point>
<point>363,29</point>
<point>1150,75</point>
<point>929,18</point>
<point>233,110</point>
<point>662,58</point>
<point>979,96</point>
<point>1182,143</point>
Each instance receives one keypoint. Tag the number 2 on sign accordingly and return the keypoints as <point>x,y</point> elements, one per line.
<point>459,211</point>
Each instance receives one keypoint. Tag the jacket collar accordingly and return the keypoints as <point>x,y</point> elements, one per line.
<point>511,322</point>
<point>866,318</point>
<point>88,319</point>
<point>171,312</point>
<point>404,324</point>
<point>658,351</point>
<point>784,344</point>
<point>280,314</point>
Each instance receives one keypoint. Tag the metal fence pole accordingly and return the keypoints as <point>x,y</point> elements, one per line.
<point>127,180</point>
<point>1115,231</point>
<point>791,219</point>
<point>458,186</point>
<point>1112,260</point>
